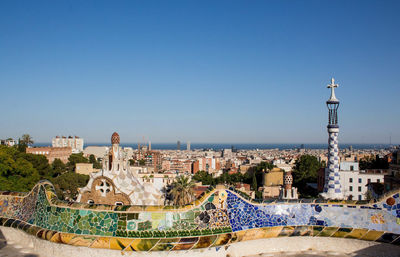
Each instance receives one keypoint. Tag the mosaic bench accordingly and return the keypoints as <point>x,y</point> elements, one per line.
<point>219,218</point>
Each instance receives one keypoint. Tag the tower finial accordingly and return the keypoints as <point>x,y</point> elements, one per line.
<point>332,86</point>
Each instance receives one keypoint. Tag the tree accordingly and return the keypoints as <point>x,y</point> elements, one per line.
<point>373,162</point>
<point>258,171</point>
<point>254,184</point>
<point>67,185</point>
<point>182,190</point>
<point>75,158</point>
<point>306,168</point>
<point>203,177</point>
<point>26,139</point>
<point>142,162</point>
<point>40,163</point>
<point>16,173</point>
<point>58,168</point>
<point>306,171</point>
<point>265,166</point>
<point>96,163</point>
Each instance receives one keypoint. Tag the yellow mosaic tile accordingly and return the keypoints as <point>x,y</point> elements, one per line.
<point>205,241</point>
<point>49,234</point>
<point>372,235</point>
<point>143,244</point>
<point>118,243</point>
<point>222,239</point>
<point>82,240</point>
<point>154,208</point>
<point>316,230</point>
<point>186,243</point>
<point>342,232</point>
<point>271,232</point>
<point>252,234</point>
<point>302,231</point>
<point>56,238</point>
<point>238,236</point>
<point>101,242</point>
<point>66,237</point>
<point>165,244</point>
<point>357,233</point>
<point>328,231</point>
<point>286,231</point>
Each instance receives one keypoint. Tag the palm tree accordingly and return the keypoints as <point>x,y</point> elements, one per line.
<point>182,190</point>
<point>26,139</point>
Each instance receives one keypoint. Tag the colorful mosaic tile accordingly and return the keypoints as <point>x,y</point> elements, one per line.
<point>219,218</point>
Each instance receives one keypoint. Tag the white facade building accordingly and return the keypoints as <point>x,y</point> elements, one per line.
<point>282,165</point>
<point>8,142</point>
<point>354,181</point>
<point>76,143</point>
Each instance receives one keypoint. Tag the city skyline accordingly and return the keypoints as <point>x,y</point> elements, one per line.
<point>226,72</point>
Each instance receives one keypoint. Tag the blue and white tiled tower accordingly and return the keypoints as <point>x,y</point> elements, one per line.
<point>332,188</point>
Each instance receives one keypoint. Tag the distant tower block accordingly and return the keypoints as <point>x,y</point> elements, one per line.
<point>332,188</point>
<point>178,145</point>
<point>149,145</point>
<point>188,146</point>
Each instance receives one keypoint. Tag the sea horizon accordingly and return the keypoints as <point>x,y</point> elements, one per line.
<point>240,146</point>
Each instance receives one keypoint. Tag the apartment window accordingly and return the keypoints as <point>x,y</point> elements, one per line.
<point>360,180</point>
<point>359,189</point>
<point>118,203</point>
<point>359,197</point>
<point>351,180</point>
<point>350,188</point>
<point>352,167</point>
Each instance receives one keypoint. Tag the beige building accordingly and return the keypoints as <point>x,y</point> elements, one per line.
<point>270,191</point>
<point>98,151</point>
<point>244,168</point>
<point>273,178</point>
<point>52,153</point>
<point>85,168</point>
<point>273,182</point>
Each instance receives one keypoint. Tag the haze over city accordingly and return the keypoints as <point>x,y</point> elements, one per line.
<point>204,71</point>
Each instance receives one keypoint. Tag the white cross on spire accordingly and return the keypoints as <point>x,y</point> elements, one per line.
<point>332,86</point>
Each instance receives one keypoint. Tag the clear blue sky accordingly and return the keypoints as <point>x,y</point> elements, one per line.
<point>203,71</point>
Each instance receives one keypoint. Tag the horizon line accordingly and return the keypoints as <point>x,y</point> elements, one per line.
<point>232,143</point>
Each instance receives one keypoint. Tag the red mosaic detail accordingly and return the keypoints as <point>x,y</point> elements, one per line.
<point>115,138</point>
<point>390,201</point>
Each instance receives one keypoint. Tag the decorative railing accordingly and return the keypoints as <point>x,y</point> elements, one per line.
<point>219,217</point>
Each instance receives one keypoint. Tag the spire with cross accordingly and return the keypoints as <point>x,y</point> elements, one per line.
<point>333,188</point>
<point>332,86</point>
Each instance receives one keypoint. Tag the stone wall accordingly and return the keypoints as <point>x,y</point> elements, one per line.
<point>219,218</point>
